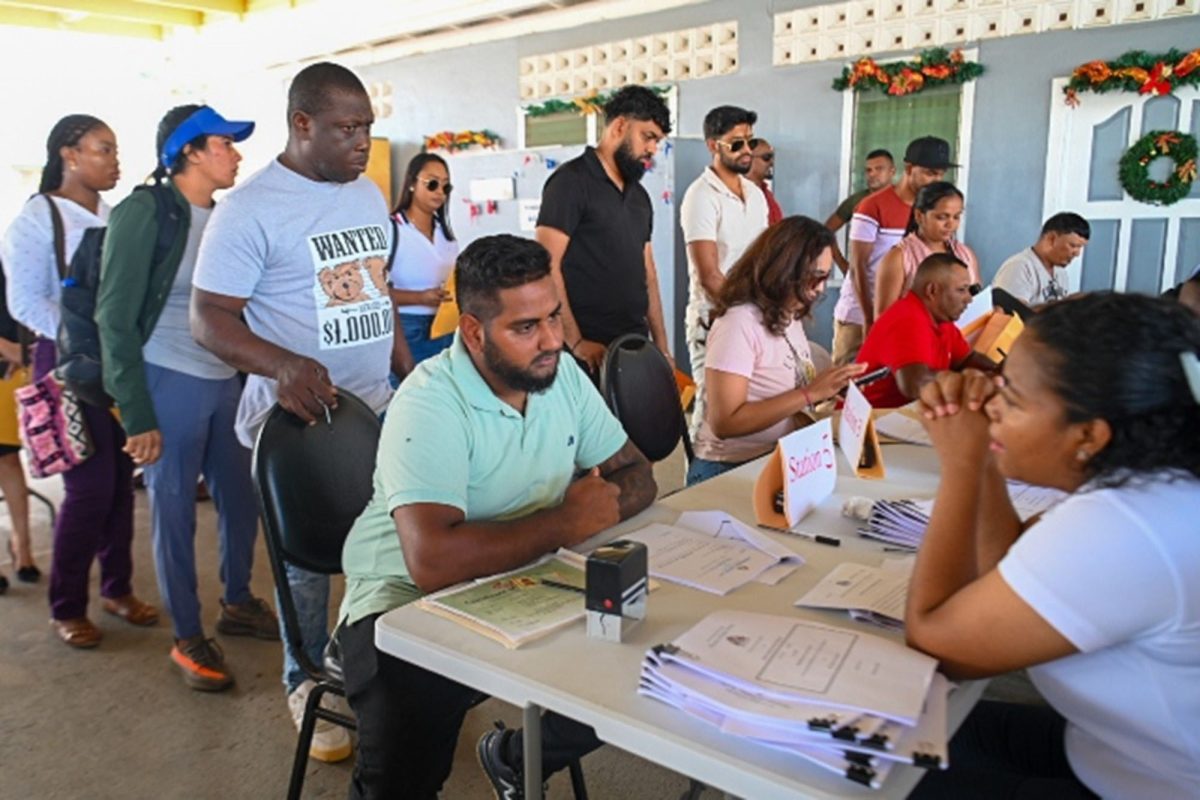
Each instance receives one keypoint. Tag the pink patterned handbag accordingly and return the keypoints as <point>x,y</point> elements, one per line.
<point>53,428</point>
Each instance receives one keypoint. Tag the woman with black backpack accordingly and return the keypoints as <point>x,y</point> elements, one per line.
<point>178,401</point>
<point>95,521</point>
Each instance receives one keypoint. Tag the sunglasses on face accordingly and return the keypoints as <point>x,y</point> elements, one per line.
<point>433,184</point>
<point>767,157</point>
<point>736,145</point>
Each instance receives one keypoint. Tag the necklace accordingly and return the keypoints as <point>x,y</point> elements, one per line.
<point>803,367</point>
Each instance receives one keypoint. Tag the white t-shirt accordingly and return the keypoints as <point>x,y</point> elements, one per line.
<point>879,220</point>
<point>1117,572</point>
<point>711,212</point>
<point>1024,276</point>
<point>309,257</point>
<point>30,267</point>
<point>171,344</point>
<point>421,264</point>
<point>739,343</point>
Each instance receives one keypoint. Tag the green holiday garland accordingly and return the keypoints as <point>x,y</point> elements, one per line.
<point>585,104</point>
<point>1136,71</point>
<point>936,66</point>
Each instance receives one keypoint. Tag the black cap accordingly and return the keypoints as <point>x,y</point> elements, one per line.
<point>929,152</point>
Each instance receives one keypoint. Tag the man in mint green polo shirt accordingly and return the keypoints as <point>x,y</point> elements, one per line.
<point>476,475</point>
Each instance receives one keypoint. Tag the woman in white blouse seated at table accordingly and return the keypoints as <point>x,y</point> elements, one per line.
<point>425,253</point>
<point>760,381</point>
<point>1099,598</point>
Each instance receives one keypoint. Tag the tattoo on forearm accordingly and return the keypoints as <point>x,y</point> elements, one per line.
<point>638,488</point>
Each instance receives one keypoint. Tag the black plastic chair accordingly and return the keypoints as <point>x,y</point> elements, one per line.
<point>638,383</point>
<point>312,482</point>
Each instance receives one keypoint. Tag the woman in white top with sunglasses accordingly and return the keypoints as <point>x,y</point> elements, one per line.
<point>425,253</point>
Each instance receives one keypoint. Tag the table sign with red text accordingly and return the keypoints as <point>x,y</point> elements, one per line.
<point>804,467</point>
<point>857,437</point>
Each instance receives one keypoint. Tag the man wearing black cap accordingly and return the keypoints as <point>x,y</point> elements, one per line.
<point>878,224</point>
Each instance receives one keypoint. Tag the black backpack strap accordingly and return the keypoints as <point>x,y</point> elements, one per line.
<point>60,237</point>
<point>387,272</point>
<point>167,216</point>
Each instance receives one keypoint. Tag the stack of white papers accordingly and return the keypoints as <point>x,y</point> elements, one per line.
<point>903,522</point>
<point>714,552</point>
<point>876,595</point>
<point>848,702</point>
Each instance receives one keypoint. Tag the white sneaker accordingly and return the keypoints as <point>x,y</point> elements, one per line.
<point>330,742</point>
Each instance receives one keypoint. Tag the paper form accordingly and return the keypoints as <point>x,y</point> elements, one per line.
<point>797,659</point>
<point>726,526</point>
<point>858,587</point>
<point>701,561</point>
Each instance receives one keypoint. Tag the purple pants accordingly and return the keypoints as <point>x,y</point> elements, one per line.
<point>96,517</point>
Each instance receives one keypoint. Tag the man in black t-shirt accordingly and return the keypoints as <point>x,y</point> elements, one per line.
<point>596,221</point>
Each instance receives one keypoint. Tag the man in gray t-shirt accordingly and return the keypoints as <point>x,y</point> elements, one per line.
<point>301,250</point>
<point>1038,274</point>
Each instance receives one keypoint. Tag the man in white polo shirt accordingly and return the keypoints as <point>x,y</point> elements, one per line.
<point>721,214</point>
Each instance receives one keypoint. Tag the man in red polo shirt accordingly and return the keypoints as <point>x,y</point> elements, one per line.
<point>916,337</point>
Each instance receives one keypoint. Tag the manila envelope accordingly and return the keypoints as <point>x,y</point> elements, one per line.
<point>446,319</point>
<point>802,466</point>
<point>993,335</point>
<point>857,437</point>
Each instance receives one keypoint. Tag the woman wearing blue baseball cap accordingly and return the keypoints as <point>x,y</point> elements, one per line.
<point>177,401</point>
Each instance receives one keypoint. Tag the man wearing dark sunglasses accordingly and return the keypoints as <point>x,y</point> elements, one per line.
<point>762,170</point>
<point>721,214</point>
<point>596,220</point>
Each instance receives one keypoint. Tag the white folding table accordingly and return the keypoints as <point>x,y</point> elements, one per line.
<point>596,682</point>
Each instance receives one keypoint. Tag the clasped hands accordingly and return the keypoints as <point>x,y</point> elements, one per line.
<point>951,407</point>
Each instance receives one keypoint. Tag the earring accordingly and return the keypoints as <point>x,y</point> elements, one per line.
<point>1082,455</point>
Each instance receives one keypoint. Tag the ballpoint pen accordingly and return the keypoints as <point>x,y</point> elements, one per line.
<point>812,537</point>
<point>560,585</point>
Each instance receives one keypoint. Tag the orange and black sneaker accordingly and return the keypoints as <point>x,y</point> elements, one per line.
<point>202,663</point>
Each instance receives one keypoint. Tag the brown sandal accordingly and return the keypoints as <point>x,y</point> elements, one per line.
<point>78,632</point>
<point>132,610</point>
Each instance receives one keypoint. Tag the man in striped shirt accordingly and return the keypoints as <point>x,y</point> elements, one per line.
<point>878,224</point>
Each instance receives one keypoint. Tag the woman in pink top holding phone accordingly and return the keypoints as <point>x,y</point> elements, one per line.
<point>760,381</point>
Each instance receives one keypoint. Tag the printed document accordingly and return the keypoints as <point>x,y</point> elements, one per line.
<point>516,607</point>
<point>701,561</point>
<point>726,526</point>
<point>797,659</point>
<point>858,587</point>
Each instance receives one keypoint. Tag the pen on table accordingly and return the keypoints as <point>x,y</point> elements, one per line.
<point>559,585</point>
<point>812,537</point>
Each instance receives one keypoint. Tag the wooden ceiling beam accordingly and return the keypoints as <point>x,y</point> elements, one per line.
<point>31,18</point>
<point>203,6</point>
<point>121,10</point>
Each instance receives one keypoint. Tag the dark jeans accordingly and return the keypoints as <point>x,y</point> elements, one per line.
<point>409,719</point>
<point>95,520</point>
<point>1007,751</point>
<point>701,469</point>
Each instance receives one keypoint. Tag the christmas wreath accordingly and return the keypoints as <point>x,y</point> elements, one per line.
<point>936,66</point>
<point>1135,167</point>
<point>1135,71</point>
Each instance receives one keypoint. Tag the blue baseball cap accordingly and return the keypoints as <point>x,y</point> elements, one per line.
<point>203,122</point>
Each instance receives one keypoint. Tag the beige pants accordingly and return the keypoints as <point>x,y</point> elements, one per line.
<point>847,339</point>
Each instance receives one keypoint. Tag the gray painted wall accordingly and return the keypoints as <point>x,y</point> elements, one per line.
<point>476,87</point>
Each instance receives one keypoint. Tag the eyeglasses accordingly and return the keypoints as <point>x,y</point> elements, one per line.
<point>737,144</point>
<point>767,157</point>
<point>433,184</point>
